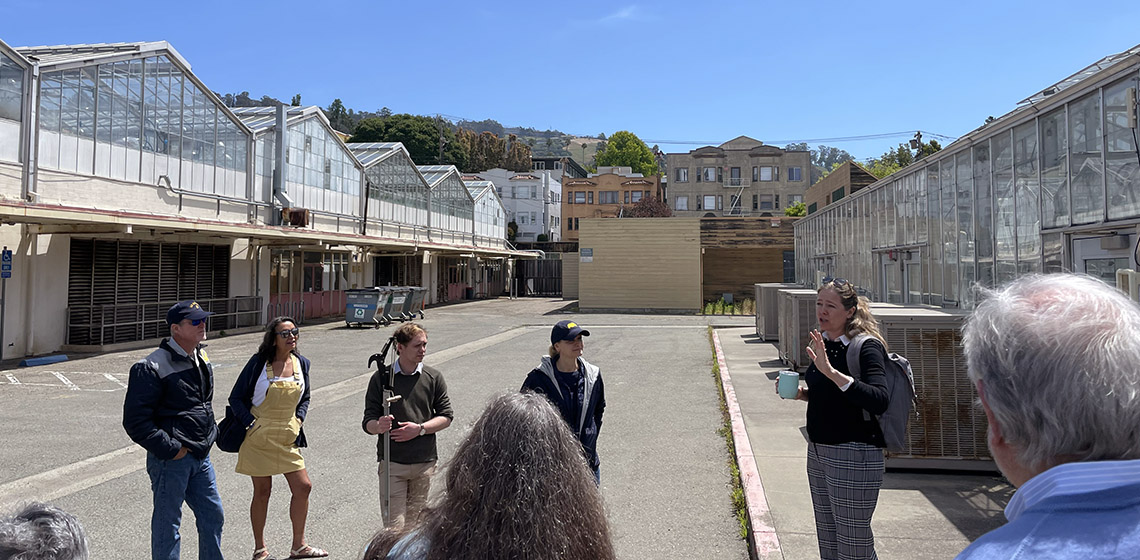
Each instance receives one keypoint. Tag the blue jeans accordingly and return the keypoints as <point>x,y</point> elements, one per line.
<point>189,480</point>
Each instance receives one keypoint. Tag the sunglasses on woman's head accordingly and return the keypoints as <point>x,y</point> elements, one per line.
<point>837,282</point>
<point>294,332</point>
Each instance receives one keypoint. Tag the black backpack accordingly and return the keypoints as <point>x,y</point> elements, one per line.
<point>900,388</point>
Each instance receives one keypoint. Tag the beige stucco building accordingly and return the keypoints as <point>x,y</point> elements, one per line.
<point>842,182</point>
<point>607,194</point>
<point>742,177</point>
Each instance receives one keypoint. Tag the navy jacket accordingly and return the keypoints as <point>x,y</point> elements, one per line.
<point>241,397</point>
<point>168,403</point>
<point>542,380</point>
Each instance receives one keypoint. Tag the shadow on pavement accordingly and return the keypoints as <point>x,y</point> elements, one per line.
<point>974,504</point>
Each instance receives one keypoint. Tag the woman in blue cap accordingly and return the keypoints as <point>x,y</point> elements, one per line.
<point>574,386</point>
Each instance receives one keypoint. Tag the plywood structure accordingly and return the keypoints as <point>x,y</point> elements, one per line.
<point>640,264</point>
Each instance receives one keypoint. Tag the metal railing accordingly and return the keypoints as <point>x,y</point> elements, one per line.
<point>131,322</point>
<point>292,308</point>
<point>736,182</point>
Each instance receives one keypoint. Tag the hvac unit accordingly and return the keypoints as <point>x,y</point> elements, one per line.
<point>947,429</point>
<point>796,309</point>
<point>296,217</point>
<point>767,312</point>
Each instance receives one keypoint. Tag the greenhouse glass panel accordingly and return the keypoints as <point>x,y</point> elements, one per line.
<point>1027,198</point>
<point>934,267</point>
<point>1051,252</point>
<point>950,234</point>
<point>964,181</point>
<point>11,89</point>
<point>1054,170</point>
<point>1122,165</point>
<point>983,214</point>
<point>1087,159</point>
<point>1005,248</point>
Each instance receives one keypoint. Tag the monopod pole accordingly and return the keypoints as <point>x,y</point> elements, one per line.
<point>389,396</point>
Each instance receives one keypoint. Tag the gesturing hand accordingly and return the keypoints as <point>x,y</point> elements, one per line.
<point>818,352</point>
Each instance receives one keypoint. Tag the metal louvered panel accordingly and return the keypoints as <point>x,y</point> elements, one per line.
<point>946,422</point>
<point>79,291</point>
<point>119,291</point>
<point>168,272</point>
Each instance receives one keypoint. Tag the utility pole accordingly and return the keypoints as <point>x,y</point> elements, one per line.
<point>439,125</point>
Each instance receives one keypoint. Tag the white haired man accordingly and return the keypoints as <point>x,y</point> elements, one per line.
<point>1056,362</point>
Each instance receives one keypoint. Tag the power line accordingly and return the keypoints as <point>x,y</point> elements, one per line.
<point>880,136</point>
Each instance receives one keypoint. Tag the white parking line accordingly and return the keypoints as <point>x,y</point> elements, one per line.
<point>12,379</point>
<point>115,380</point>
<point>65,381</point>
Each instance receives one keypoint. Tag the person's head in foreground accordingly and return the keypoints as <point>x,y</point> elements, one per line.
<point>1056,363</point>
<point>518,488</point>
<point>42,532</point>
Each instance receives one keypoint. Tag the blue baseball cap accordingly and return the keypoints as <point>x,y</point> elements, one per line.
<point>566,330</point>
<point>188,309</point>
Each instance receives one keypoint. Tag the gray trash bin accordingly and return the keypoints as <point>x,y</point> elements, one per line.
<point>414,303</point>
<point>363,306</point>
<point>394,310</point>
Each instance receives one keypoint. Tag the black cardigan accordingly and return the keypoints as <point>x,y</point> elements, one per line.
<point>834,416</point>
<point>241,397</point>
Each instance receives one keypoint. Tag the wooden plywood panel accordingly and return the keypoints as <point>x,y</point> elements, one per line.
<point>736,271</point>
<point>748,232</point>
<point>640,263</point>
<point>570,275</point>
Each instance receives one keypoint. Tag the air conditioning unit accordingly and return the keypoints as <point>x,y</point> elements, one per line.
<point>296,217</point>
<point>767,313</point>
<point>1128,281</point>
<point>796,310</point>
<point>947,429</point>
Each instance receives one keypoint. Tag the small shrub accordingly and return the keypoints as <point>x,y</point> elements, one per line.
<point>708,308</point>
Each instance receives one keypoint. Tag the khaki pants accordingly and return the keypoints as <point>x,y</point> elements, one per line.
<point>410,485</point>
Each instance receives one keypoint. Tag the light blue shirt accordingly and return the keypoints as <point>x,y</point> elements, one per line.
<point>1072,478</point>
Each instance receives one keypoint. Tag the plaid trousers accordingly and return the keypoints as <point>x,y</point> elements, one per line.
<point>845,481</point>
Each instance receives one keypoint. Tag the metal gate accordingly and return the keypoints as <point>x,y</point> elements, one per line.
<point>539,278</point>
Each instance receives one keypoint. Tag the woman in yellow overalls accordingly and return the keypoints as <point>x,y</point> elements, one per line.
<point>271,397</point>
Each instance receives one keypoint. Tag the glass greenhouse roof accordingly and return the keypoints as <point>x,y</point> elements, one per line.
<point>92,53</point>
<point>370,153</point>
<point>260,119</point>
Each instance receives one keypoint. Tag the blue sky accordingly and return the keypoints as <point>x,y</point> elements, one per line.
<point>667,71</point>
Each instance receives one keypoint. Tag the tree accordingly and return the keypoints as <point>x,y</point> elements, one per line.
<point>512,231</point>
<point>649,207</point>
<point>518,155</point>
<point>338,116</point>
<point>296,100</point>
<point>385,112</point>
<point>419,134</point>
<point>796,209</point>
<point>624,148</point>
<point>823,159</point>
<point>898,158</point>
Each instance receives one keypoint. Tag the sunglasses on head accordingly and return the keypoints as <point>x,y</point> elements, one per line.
<point>837,282</point>
<point>293,332</point>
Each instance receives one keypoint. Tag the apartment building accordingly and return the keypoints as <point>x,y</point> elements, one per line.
<point>742,177</point>
<point>609,193</point>
<point>532,200</point>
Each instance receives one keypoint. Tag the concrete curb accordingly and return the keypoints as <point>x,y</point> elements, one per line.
<point>762,534</point>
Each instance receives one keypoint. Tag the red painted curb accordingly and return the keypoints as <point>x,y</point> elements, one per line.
<point>763,532</point>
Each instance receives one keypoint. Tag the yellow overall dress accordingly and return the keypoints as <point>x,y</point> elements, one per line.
<point>268,447</point>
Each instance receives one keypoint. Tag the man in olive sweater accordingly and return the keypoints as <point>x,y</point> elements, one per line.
<point>422,410</point>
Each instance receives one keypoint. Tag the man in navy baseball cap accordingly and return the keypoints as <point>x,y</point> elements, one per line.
<point>186,310</point>
<point>168,410</point>
<point>566,330</point>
